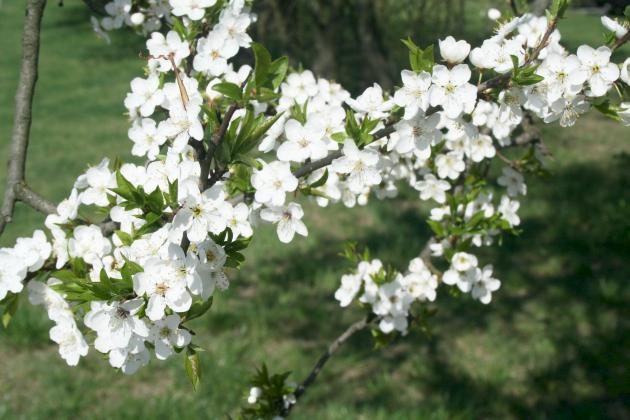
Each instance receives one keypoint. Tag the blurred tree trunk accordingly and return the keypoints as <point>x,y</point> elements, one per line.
<point>355,42</point>
<point>371,40</point>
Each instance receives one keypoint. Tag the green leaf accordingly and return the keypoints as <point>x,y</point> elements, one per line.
<point>558,8</point>
<point>607,109</point>
<point>198,309</point>
<point>155,201</point>
<point>298,112</point>
<point>123,183</point>
<point>524,79</point>
<point>172,192</point>
<point>352,127</point>
<point>10,307</point>
<point>264,127</point>
<point>193,368</point>
<point>264,94</point>
<point>321,181</point>
<point>229,90</point>
<point>79,267</point>
<point>278,71</point>
<point>64,275</point>
<point>131,267</point>
<point>382,340</point>
<point>263,63</point>
<point>514,65</point>
<point>475,220</point>
<point>179,27</point>
<point>419,59</point>
<point>437,228</point>
<point>428,59</point>
<point>338,137</point>
<point>124,237</point>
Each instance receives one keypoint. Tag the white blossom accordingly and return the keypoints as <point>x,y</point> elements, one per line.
<point>371,102</point>
<point>414,94</point>
<point>163,49</point>
<point>452,91</point>
<point>193,9</point>
<point>288,219</point>
<point>432,188</point>
<point>600,72</point>
<point>99,180</point>
<point>513,181</point>
<point>452,51</point>
<point>165,335</point>
<point>145,95</point>
<point>360,165</point>
<point>272,182</point>
<point>72,345</point>
<point>303,142</point>
<point>163,287</point>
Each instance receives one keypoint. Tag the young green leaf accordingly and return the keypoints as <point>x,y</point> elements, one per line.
<point>263,63</point>
<point>10,304</point>
<point>229,90</point>
<point>193,368</point>
<point>198,309</point>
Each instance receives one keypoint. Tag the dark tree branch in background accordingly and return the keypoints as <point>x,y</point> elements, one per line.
<point>16,189</point>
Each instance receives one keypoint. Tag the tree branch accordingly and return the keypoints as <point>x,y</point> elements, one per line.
<point>318,164</point>
<point>505,78</point>
<point>206,179</point>
<point>30,197</point>
<point>332,348</point>
<point>15,190</point>
<point>621,41</point>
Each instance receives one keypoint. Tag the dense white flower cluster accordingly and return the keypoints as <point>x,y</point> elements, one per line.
<point>227,149</point>
<point>390,299</point>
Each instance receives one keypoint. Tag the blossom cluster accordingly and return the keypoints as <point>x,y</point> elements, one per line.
<point>389,294</point>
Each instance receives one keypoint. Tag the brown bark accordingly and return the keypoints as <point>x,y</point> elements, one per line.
<point>16,188</point>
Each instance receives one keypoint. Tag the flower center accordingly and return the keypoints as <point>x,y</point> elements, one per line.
<point>122,313</point>
<point>161,288</point>
<point>165,332</point>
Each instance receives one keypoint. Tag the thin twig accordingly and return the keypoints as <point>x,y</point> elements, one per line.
<point>23,117</point>
<point>505,78</point>
<point>30,197</point>
<point>621,41</point>
<point>332,348</point>
<point>215,141</point>
<point>425,256</point>
<point>318,164</point>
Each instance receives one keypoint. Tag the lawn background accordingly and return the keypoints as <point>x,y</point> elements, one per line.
<point>553,344</point>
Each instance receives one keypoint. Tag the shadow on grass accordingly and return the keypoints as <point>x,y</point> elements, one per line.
<point>564,286</point>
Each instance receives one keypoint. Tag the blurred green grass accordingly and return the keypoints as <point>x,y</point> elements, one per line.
<point>553,344</point>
